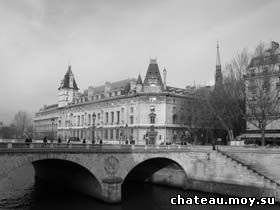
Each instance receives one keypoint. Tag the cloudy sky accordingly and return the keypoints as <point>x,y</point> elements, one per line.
<point>109,40</point>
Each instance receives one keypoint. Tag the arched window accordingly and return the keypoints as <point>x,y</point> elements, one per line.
<point>152,119</point>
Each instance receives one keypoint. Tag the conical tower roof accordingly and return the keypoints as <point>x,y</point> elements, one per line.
<point>153,74</point>
<point>65,83</point>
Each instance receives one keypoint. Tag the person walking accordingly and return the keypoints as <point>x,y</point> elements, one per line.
<point>45,141</point>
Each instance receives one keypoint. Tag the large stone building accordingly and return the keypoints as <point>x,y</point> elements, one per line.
<point>133,110</point>
<point>262,96</point>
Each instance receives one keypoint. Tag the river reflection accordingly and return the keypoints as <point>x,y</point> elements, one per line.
<point>20,191</point>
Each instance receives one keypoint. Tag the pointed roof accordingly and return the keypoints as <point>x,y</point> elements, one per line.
<point>218,60</point>
<point>139,80</point>
<point>65,83</point>
<point>69,70</point>
<point>218,74</point>
<point>153,74</point>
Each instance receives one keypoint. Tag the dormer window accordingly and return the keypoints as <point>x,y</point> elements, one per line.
<point>71,82</point>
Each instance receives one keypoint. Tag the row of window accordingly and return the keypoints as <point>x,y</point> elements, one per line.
<point>100,96</point>
<point>117,134</point>
<point>90,119</point>
<point>46,126</point>
<point>265,69</point>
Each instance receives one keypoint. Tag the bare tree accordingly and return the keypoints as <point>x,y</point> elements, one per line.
<point>262,89</point>
<point>227,103</point>
<point>194,120</point>
<point>22,121</point>
<point>199,117</point>
<point>223,108</point>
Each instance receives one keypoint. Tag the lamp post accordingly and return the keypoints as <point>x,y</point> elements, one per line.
<point>121,134</point>
<point>126,130</point>
<point>93,128</point>
<point>52,119</point>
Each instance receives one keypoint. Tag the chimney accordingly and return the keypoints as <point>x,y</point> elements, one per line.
<point>164,79</point>
<point>153,61</point>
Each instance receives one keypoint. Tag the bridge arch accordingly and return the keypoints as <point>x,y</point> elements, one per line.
<point>68,174</point>
<point>72,172</point>
<point>146,168</point>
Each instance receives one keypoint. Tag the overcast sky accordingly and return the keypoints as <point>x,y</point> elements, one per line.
<point>114,39</point>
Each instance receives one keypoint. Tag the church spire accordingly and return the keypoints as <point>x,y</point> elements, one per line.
<point>218,59</point>
<point>218,75</point>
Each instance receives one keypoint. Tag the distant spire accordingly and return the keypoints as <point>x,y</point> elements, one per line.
<point>139,80</point>
<point>218,75</point>
<point>218,60</point>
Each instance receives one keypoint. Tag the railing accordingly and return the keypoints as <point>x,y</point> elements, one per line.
<point>9,146</point>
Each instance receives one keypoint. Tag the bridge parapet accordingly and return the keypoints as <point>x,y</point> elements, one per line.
<point>87,148</point>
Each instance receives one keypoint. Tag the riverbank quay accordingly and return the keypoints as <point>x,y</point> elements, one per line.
<point>228,170</point>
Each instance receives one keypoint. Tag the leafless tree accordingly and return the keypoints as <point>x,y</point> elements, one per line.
<point>262,89</point>
<point>198,117</point>
<point>224,110</point>
<point>227,103</point>
<point>23,122</point>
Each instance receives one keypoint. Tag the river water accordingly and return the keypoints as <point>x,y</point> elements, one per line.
<point>21,191</point>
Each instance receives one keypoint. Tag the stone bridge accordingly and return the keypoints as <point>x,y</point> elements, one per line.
<point>101,170</point>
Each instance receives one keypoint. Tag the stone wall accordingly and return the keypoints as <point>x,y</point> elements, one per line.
<point>264,160</point>
<point>215,173</point>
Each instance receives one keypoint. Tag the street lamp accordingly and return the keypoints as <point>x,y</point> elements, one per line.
<point>126,130</point>
<point>93,128</point>
<point>52,119</point>
<point>121,134</point>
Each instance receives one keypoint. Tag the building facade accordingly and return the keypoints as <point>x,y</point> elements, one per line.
<point>262,82</point>
<point>128,111</point>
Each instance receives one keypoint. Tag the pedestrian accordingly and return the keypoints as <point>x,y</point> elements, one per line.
<point>84,141</point>
<point>208,156</point>
<point>45,140</point>
<point>27,142</point>
<point>59,140</point>
<point>213,146</point>
<point>100,142</point>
